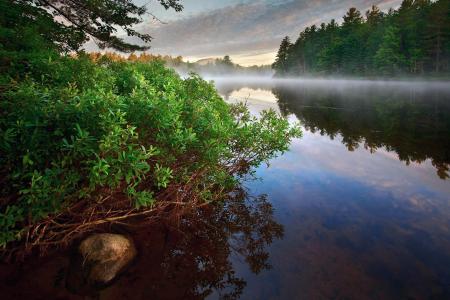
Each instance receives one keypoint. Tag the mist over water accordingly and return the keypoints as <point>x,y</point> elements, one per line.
<point>326,82</point>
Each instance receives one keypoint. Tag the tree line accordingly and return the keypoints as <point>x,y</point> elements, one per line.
<point>412,40</point>
<point>210,66</point>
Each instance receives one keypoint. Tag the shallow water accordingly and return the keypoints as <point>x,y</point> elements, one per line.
<point>358,208</point>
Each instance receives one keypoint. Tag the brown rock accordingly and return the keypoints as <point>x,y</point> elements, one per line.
<point>100,258</point>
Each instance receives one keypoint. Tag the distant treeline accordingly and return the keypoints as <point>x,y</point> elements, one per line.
<point>210,66</point>
<point>412,40</point>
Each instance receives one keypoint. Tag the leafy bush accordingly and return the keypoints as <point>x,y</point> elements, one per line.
<point>73,130</point>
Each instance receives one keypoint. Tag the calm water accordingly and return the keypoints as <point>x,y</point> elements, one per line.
<point>364,196</point>
<point>359,208</point>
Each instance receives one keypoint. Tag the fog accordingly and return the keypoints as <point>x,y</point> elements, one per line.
<point>218,68</point>
<point>268,82</point>
<point>408,117</point>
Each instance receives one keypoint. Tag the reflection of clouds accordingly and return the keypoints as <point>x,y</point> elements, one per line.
<point>314,152</point>
<point>315,163</point>
<point>257,100</point>
<point>379,170</point>
<point>254,95</point>
<point>357,224</point>
<point>317,158</point>
<point>353,218</point>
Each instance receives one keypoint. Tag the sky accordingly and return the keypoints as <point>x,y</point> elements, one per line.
<point>250,31</point>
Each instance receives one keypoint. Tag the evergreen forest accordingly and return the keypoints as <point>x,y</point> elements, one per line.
<point>413,40</point>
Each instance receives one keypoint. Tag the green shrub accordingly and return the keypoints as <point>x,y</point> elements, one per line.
<point>71,129</point>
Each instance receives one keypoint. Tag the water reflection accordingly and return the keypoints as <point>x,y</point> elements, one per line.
<point>188,259</point>
<point>192,260</point>
<point>365,215</point>
<point>415,124</point>
<point>410,119</point>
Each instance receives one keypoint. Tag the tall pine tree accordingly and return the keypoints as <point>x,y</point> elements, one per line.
<point>281,62</point>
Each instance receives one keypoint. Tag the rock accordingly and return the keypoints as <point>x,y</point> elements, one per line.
<point>99,259</point>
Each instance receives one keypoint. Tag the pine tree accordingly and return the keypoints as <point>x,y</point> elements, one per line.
<point>352,17</point>
<point>389,59</point>
<point>374,15</point>
<point>281,63</point>
<point>438,34</point>
<point>69,24</point>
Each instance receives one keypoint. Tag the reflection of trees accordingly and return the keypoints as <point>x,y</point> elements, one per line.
<point>187,258</point>
<point>413,123</point>
<point>194,260</point>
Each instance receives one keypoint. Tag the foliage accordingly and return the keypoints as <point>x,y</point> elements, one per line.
<point>389,58</point>
<point>68,24</point>
<point>282,55</point>
<point>227,61</point>
<point>211,66</point>
<point>73,131</point>
<point>88,140</point>
<point>412,40</point>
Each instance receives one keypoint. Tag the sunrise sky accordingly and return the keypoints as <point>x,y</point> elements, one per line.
<point>249,31</point>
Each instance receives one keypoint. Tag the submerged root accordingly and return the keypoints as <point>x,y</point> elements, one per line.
<point>87,216</point>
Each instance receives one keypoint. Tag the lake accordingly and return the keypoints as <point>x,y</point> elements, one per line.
<point>358,208</point>
<point>364,196</point>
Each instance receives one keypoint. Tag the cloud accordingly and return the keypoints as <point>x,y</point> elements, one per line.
<point>253,27</point>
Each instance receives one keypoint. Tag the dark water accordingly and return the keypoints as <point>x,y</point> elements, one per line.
<point>359,208</point>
